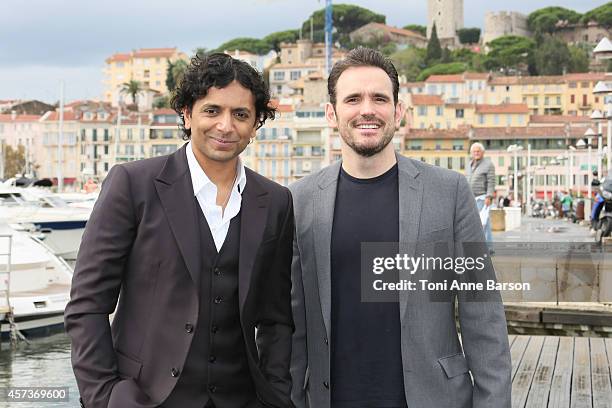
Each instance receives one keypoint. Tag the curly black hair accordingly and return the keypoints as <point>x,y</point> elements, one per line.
<point>219,70</point>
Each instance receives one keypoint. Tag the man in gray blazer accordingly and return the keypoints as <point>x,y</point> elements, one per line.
<point>481,177</point>
<point>349,353</point>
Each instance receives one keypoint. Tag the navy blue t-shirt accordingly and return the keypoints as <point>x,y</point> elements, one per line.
<point>366,362</point>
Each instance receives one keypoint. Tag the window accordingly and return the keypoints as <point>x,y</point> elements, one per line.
<point>457,145</point>
<point>546,100</point>
<point>106,149</point>
<point>536,100</point>
<point>279,75</point>
<point>584,84</point>
<point>437,125</point>
<point>438,145</point>
<point>481,119</point>
<point>508,120</point>
<point>585,99</point>
<point>422,110</point>
<point>295,75</point>
<point>572,98</point>
<point>94,135</point>
<point>572,85</point>
<point>439,110</point>
<point>415,145</point>
<point>459,113</point>
<point>437,161</point>
<point>496,119</point>
<point>558,102</point>
<point>106,137</point>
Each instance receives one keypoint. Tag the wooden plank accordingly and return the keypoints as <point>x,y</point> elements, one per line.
<point>511,338</point>
<point>542,380</point>
<point>522,381</point>
<point>581,375</point>
<point>600,374</point>
<point>560,387</point>
<point>576,317</point>
<point>516,352</point>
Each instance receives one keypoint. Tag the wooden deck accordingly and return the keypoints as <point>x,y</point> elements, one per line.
<point>555,372</point>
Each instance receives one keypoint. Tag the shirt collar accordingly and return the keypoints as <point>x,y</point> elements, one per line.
<point>199,179</point>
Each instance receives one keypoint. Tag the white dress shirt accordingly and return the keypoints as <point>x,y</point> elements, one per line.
<point>206,193</point>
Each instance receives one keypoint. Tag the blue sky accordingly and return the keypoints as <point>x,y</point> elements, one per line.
<point>45,41</point>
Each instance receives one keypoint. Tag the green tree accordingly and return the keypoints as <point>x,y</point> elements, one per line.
<point>446,56</point>
<point>552,57</point>
<point>253,45</point>
<point>14,161</point>
<point>409,62</point>
<point>161,102</point>
<point>274,39</point>
<point>509,52</point>
<point>442,69</point>
<point>201,52</point>
<point>434,50</point>
<point>346,19</point>
<point>469,35</point>
<point>601,14</point>
<point>545,19</point>
<point>421,29</point>
<point>579,59</point>
<point>132,88</point>
<point>473,60</point>
<point>174,73</point>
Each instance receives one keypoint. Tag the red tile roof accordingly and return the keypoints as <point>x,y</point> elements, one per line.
<point>535,132</point>
<point>503,108</point>
<point>398,31</point>
<point>7,117</point>
<point>164,111</point>
<point>586,76</point>
<point>445,78</point>
<point>476,75</point>
<point>419,99</point>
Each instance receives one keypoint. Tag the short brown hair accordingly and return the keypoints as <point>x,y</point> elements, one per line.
<point>362,57</point>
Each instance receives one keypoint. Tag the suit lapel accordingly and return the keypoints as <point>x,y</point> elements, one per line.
<point>323,216</point>
<point>410,202</point>
<point>175,192</point>
<point>254,209</point>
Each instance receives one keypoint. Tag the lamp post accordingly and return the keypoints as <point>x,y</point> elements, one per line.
<point>515,148</point>
<point>581,144</point>
<point>598,117</point>
<point>603,89</point>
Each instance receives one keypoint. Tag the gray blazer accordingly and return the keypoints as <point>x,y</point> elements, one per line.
<point>435,204</point>
<point>482,178</point>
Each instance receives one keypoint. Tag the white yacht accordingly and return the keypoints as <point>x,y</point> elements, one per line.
<point>50,217</point>
<point>38,284</point>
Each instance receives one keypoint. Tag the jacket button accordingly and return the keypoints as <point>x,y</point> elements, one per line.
<point>212,388</point>
<point>174,372</point>
<point>189,328</point>
<point>212,359</point>
<point>217,271</point>
<point>218,299</point>
<point>326,341</point>
<point>214,329</point>
<point>326,385</point>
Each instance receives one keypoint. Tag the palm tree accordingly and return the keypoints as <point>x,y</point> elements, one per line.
<point>132,88</point>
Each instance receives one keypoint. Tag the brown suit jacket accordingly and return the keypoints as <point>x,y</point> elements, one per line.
<point>140,253</point>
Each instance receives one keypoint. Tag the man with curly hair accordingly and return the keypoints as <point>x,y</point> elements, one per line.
<point>193,250</point>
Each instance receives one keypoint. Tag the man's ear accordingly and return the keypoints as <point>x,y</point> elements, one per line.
<point>400,109</point>
<point>330,115</point>
<point>187,118</point>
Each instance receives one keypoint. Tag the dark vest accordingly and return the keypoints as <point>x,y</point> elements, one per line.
<point>216,367</point>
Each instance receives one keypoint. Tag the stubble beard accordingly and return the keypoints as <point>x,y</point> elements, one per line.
<point>367,150</point>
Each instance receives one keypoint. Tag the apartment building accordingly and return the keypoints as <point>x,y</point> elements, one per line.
<point>146,65</point>
<point>23,131</point>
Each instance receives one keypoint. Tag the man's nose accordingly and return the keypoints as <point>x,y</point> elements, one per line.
<point>367,108</point>
<point>224,123</point>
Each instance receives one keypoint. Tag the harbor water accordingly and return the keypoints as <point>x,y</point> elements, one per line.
<point>45,362</point>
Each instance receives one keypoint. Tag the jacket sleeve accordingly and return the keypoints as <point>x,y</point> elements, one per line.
<point>490,179</point>
<point>299,351</point>
<point>276,327</point>
<point>96,284</point>
<point>482,320</point>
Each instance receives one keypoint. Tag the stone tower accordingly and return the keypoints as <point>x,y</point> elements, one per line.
<point>448,16</point>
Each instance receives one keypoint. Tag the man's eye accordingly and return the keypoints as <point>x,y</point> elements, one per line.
<point>351,100</point>
<point>210,111</point>
<point>242,115</point>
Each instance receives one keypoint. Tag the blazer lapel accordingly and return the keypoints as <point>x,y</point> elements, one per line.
<point>323,216</point>
<point>410,202</point>
<point>254,210</point>
<point>175,191</point>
